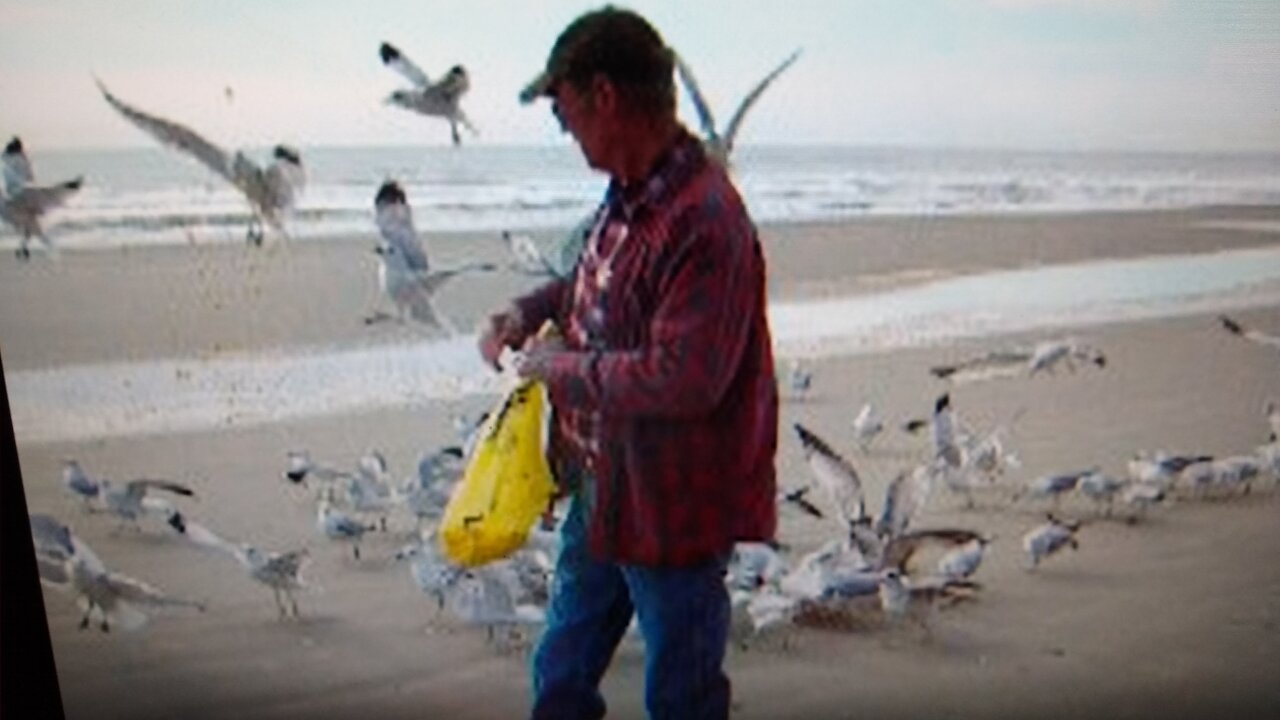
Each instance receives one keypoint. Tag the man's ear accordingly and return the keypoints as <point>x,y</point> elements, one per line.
<point>604,95</point>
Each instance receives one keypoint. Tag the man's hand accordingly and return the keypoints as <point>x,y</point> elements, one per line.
<point>505,329</point>
<point>536,360</point>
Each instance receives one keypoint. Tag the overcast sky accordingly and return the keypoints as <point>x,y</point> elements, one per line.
<point>1199,75</point>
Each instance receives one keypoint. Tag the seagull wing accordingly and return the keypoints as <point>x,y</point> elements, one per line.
<point>528,257</point>
<point>175,135</point>
<point>394,59</point>
<point>835,475</point>
<point>903,499</point>
<point>735,122</point>
<point>40,198</point>
<point>135,591</point>
<point>140,487</point>
<point>705,118</point>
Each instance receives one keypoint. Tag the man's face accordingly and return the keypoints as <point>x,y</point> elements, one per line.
<point>579,116</point>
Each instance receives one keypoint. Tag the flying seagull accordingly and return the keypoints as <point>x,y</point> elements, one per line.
<point>438,99</point>
<point>720,145</point>
<point>1257,336</point>
<point>405,276</point>
<point>24,202</point>
<point>271,191</point>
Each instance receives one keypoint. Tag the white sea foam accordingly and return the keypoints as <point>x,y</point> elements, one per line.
<point>151,196</point>
<point>173,395</point>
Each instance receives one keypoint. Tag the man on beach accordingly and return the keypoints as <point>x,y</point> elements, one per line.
<point>663,385</point>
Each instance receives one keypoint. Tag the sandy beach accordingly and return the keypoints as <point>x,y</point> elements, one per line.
<point>1177,615</point>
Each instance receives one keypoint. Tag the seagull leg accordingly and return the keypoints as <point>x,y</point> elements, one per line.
<point>275,595</point>
<point>293,603</point>
<point>453,128</point>
<point>355,550</point>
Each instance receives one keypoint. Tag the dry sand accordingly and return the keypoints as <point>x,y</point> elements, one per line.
<point>1178,615</point>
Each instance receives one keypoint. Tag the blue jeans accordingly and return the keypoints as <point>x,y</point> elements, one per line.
<point>683,615</point>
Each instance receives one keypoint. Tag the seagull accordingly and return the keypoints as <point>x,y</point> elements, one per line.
<point>836,476</point>
<point>1056,485</point>
<point>301,468</point>
<point>280,571</point>
<point>24,203</point>
<point>1047,539</point>
<point>799,379</point>
<point>1101,488</point>
<point>903,600</point>
<point>337,525</point>
<point>866,426</point>
<point>754,564</point>
<point>80,484</point>
<point>405,276</point>
<point>900,550</point>
<point>946,451</point>
<point>528,259</point>
<point>133,499</point>
<point>66,562</point>
<point>1272,411</point>
<point>963,561</point>
<point>1160,468</point>
<point>1256,336</point>
<point>1048,355</point>
<point>999,363</point>
<point>1142,495</point>
<point>439,99</point>
<point>271,191</point>
<point>427,492</point>
<point>431,571</point>
<point>1019,361</point>
<point>720,145</point>
<point>479,597</point>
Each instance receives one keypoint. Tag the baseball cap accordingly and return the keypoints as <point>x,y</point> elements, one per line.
<point>612,41</point>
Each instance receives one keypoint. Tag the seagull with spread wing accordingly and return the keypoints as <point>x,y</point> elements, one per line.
<point>720,145</point>
<point>434,99</point>
<point>405,276</point>
<point>66,562</point>
<point>271,191</point>
<point>134,499</point>
<point>24,202</point>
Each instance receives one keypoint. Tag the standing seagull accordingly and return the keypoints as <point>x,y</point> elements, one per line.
<point>1257,336</point>
<point>720,145</point>
<point>271,192</point>
<point>24,202</point>
<point>439,99</point>
<point>78,483</point>
<point>405,276</point>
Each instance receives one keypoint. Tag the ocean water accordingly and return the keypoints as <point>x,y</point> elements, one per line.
<point>153,195</point>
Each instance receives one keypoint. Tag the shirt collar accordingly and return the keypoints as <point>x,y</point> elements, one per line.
<point>673,168</point>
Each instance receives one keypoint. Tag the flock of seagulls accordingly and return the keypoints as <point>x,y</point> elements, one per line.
<point>885,566</point>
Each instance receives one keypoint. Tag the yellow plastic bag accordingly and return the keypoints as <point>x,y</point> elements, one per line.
<point>507,484</point>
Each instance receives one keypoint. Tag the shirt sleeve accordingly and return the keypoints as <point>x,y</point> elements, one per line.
<point>543,303</point>
<point>710,290</point>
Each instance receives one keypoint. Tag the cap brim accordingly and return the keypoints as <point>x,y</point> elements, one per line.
<point>537,88</point>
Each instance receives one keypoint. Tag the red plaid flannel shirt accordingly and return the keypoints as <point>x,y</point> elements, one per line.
<point>668,397</point>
